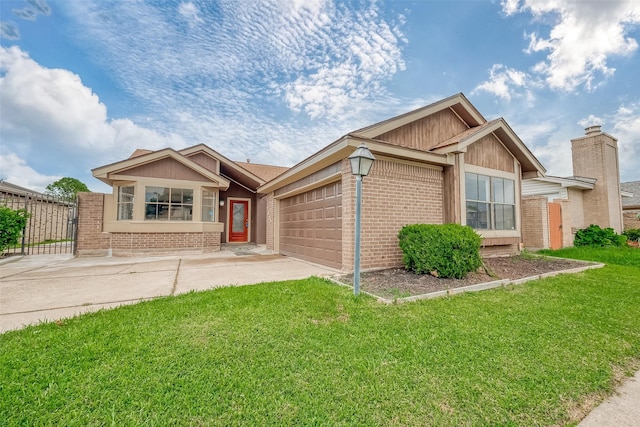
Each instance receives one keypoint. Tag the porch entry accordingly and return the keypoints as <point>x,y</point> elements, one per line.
<point>555,225</point>
<point>239,221</point>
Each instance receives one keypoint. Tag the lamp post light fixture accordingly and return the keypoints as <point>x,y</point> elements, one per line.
<point>361,162</point>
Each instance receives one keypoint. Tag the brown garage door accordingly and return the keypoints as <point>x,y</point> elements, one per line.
<point>311,225</point>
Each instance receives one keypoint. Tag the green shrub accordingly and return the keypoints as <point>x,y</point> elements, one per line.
<point>600,237</point>
<point>11,225</point>
<point>632,234</point>
<point>448,250</point>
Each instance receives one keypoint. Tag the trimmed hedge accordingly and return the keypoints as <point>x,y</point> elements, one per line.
<point>449,250</point>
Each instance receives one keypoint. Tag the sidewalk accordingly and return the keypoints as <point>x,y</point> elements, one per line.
<point>622,409</point>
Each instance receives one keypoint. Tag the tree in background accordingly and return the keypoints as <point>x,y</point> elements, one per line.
<point>66,188</point>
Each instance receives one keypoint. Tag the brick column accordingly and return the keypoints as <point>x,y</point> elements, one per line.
<point>535,222</point>
<point>91,240</point>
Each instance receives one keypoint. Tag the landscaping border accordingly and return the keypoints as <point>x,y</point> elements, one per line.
<point>479,286</point>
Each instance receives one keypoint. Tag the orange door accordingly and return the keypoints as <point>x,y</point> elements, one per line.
<point>239,221</point>
<point>555,226</point>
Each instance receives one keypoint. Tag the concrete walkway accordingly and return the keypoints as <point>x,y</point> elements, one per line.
<point>50,287</point>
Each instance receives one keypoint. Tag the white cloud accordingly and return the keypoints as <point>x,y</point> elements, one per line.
<point>626,128</point>
<point>314,56</point>
<point>15,170</point>
<point>591,120</point>
<point>584,35</point>
<point>49,115</point>
<point>507,83</point>
<point>190,12</point>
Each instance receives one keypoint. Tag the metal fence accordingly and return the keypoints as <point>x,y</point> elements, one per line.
<point>52,226</point>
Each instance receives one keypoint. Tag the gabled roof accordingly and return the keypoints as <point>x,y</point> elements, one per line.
<point>234,166</point>
<point>504,133</point>
<point>108,173</point>
<point>632,187</point>
<point>477,127</point>
<point>341,149</point>
<point>458,103</point>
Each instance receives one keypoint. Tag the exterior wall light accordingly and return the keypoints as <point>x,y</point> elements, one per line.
<point>221,202</point>
<point>361,162</point>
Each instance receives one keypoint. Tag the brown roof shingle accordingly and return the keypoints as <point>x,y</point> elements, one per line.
<point>266,172</point>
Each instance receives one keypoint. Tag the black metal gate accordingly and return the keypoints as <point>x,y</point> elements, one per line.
<point>52,226</point>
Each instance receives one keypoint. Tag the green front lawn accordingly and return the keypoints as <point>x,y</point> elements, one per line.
<point>308,353</point>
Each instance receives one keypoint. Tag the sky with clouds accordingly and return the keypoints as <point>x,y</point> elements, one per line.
<point>85,83</point>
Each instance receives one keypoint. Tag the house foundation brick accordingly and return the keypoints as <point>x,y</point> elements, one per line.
<point>93,241</point>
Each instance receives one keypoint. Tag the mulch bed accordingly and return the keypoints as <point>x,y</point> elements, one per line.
<point>400,283</point>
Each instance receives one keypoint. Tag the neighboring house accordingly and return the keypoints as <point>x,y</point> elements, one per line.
<point>554,208</point>
<point>631,204</point>
<point>193,199</point>
<point>50,217</point>
<point>443,163</point>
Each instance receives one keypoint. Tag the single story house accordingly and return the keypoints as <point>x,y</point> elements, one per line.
<point>556,207</point>
<point>192,199</point>
<point>443,163</point>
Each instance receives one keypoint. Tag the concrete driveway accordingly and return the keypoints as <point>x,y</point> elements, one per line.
<point>50,287</point>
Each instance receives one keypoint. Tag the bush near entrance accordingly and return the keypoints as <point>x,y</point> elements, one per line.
<point>11,225</point>
<point>448,250</point>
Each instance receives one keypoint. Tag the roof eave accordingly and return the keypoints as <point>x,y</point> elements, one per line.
<point>458,103</point>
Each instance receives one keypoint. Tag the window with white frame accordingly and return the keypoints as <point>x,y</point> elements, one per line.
<point>164,203</point>
<point>490,202</point>
<point>125,203</point>
<point>208,205</point>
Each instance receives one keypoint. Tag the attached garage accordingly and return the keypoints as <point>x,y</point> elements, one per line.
<point>311,225</point>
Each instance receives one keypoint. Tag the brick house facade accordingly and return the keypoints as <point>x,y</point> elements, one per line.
<point>191,200</point>
<point>439,164</point>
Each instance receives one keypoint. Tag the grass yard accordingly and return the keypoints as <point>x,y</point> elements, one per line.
<point>309,353</point>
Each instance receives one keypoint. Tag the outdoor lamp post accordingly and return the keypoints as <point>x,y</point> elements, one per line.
<point>361,162</point>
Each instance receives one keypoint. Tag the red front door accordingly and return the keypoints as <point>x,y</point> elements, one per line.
<point>239,221</point>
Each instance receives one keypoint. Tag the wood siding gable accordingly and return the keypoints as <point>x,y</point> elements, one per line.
<point>166,168</point>
<point>426,133</point>
<point>206,161</point>
<point>489,152</point>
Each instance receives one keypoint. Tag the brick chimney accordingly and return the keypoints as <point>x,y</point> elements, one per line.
<point>595,155</point>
